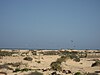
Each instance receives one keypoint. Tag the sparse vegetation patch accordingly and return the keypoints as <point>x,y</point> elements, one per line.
<point>28,58</point>
<point>97,63</point>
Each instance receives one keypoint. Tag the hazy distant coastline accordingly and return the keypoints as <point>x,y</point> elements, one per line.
<point>44,49</point>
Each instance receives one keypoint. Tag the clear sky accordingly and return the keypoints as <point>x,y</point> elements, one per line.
<point>51,24</point>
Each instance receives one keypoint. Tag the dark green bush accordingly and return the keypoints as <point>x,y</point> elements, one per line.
<point>28,58</point>
<point>77,59</point>
<point>77,73</point>
<point>38,61</point>
<point>25,69</point>
<point>33,52</point>
<point>16,70</point>
<point>72,56</point>
<point>97,63</point>
<point>56,66</point>
<point>5,53</point>
<point>60,60</point>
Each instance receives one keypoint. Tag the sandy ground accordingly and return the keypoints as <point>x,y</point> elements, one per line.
<point>83,66</point>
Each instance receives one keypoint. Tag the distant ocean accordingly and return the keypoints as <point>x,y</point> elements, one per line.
<point>44,49</point>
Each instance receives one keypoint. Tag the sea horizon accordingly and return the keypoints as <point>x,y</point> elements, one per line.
<point>46,49</point>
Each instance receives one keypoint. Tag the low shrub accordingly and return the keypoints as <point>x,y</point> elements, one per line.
<point>28,58</point>
<point>72,56</point>
<point>25,69</point>
<point>38,61</point>
<point>60,60</point>
<point>16,70</point>
<point>97,63</point>
<point>35,73</point>
<point>56,66</point>
<point>77,73</point>
<point>77,59</point>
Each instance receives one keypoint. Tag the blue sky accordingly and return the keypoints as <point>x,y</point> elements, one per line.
<point>50,24</point>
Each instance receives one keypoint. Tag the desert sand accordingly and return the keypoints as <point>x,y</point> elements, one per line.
<point>83,66</point>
